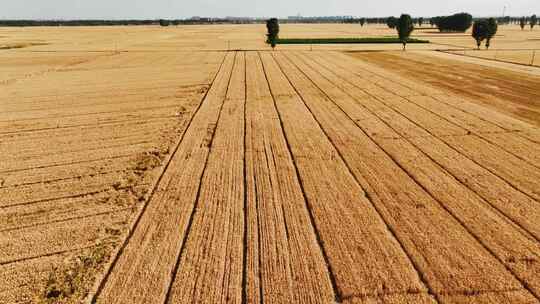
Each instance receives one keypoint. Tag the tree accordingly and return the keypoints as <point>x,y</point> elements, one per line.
<point>456,23</point>
<point>420,21</point>
<point>522,23</point>
<point>533,21</point>
<point>362,21</point>
<point>480,31</point>
<point>272,25</point>
<point>163,22</point>
<point>492,30</point>
<point>391,22</point>
<point>404,27</point>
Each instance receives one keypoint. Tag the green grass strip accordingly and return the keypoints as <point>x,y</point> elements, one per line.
<point>375,40</point>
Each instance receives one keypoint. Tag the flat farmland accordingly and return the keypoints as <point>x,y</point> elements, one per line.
<point>194,165</point>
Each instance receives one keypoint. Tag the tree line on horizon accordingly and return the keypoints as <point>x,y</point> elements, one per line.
<point>523,21</point>
<point>461,22</point>
<point>484,29</point>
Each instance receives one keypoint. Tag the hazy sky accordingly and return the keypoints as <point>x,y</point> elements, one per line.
<point>120,9</point>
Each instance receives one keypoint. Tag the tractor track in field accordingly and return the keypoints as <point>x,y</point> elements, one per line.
<point>529,192</point>
<point>412,141</point>
<point>394,161</point>
<point>524,283</point>
<point>472,129</point>
<point>311,216</point>
<point>387,226</point>
<point>409,139</point>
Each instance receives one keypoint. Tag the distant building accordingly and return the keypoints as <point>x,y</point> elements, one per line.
<point>297,17</point>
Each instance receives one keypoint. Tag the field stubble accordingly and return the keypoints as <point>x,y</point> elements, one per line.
<point>180,175</point>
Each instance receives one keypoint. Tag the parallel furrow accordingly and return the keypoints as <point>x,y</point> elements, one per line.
<point>137,276</point>
<point>511,245</point>
<point>412,213</point>
<point>343,213</point>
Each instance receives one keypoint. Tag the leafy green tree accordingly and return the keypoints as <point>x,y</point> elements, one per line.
<point>455,23</point>
<point>404,28</point>
<point>480,31</point>
<point>533,21</point>
<point>492,30</point>
<point>362,21</point>
<point>272,26</point>
<point>164,22</point>
<point>522,23</point>
<point>420,21</point>
<point>391,22</point>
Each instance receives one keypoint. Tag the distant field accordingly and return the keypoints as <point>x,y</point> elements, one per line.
<point>246,37</point>
<point>195,165</point>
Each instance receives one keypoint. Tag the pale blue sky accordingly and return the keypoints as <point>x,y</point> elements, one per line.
<point>122,9</point>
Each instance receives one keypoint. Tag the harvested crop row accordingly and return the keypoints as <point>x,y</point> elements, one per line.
<point>110,118</point>
<point>460,122</point>
<point>457,116</point>
<point>30,152</point>
<point>508,123</point>
<point>46,212</point>
<point>142,90</point>
<point>38,280</point>
<point>510,92</point>
<point>284,263</point>
<point>138,275</point>
<point>71,182</point>
<point>343,215</point>
<point>37,241</point>
<point>211,260</point>
<point>18,67</point>
<point>506,241</point>
<point>65,172</point>
<point>65,136</point>
<point>502,195</point>
<point>81,75</point>
<point>486,130</point>
<point>77,156</point>
<point>515,171</point>
<point>85,110</point>
<point>66,102</point>
<point>429,234</point>
<point>49,191</point>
